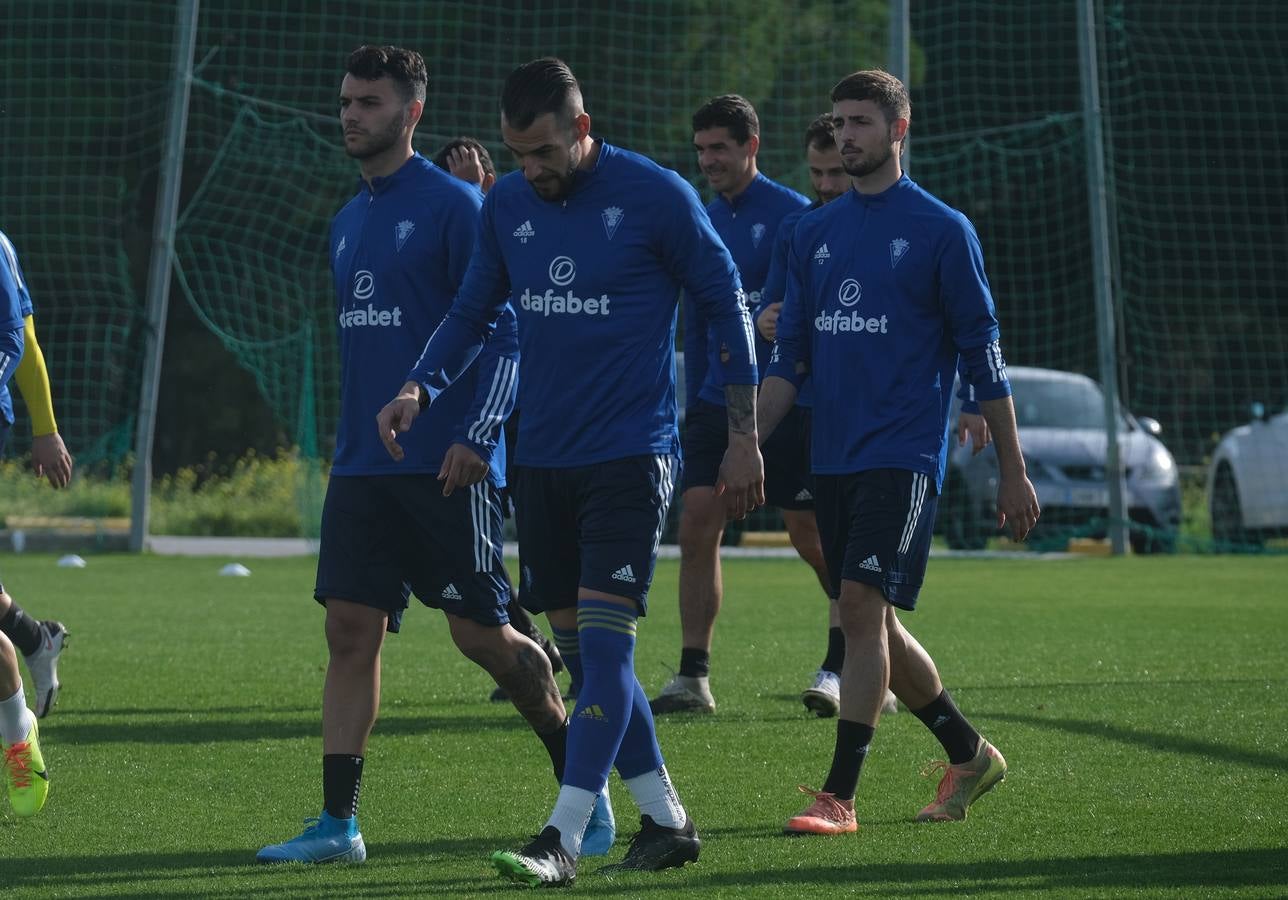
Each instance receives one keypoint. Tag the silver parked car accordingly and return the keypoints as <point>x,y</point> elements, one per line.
<point>1248,481</point>
<point>1061,420</point>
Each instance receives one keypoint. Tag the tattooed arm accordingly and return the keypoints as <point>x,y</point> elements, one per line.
<point>742,472</point>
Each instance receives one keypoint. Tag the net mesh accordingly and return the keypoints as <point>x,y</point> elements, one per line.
<point>1194,98</point>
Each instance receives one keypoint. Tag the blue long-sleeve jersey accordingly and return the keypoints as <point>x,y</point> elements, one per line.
<point>883,294</point>
<point>776,285</point>
<point>399,250</point>
<point>747,225</point>
<point>595,280</point>
<point>15,305</point>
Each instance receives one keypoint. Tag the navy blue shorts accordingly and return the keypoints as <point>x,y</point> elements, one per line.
<point>594,527</point>
<point>875,527</point>
<point>385,537</point>
<point>788,482</point>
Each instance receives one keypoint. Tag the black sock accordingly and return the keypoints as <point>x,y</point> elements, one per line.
<point>852,740</point>
<point>21,628</point>
<point>341,780</point>
<point>695,662</point>
<point>557,746</point>
<point>835,651</point>
<point>946,722</point>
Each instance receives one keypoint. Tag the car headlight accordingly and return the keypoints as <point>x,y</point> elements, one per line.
<point>1159,469</point>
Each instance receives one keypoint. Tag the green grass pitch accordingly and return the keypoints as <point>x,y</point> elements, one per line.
<point>1140,703</point>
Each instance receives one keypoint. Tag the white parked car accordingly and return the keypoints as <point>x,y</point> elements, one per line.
<point>1248,481</point>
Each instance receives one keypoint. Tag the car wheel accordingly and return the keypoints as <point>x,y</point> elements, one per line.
<point>1227,516</point>
<point>963,529</point>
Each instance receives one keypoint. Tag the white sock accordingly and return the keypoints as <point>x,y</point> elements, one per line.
<point>656,797</point>
<point>15,718</point>
<point>572,812</point>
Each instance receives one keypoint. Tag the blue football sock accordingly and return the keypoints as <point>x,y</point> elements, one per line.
<point>606,633</point>
<point>639,752</point>
<point>566,642</point>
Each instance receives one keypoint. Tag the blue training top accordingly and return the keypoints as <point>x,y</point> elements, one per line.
<point>595,280</point>
<point>398,252</point>
<point>776,285</point>
<point>15,305</point>
<point>883,292</point>
<point>748,226</point>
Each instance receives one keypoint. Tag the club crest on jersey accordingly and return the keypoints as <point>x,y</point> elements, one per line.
<point>612,218</point>
<point>898,247</point>
<point>757,234</point>
<point>340,247</point>
<point>402,231</point>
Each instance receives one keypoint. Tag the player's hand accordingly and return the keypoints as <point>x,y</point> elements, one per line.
<point>767,321</point>
<point>461,468</point>
<point>464,163</point>
<point>1017,505</point>
<point>975,427</point>
<point>397,417</point>
<point>741,480</point>
<point>50,459</point>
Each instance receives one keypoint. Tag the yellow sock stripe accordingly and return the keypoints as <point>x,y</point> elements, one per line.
<point>595,617</point>
<point>609,624</point>
<point>620,629</point>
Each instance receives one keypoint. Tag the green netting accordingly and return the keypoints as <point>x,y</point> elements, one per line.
<point>1194,95</point>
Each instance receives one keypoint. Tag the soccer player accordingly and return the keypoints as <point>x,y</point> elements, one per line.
<point>886,289</point>
<point>25,773</point>
<point>746,212</point>
<point>594,243</point>
<point>830,180</point>
<point>432,524</point>
<point>41,642</point>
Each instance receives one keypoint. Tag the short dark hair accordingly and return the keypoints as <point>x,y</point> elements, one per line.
<point>880,87</point>
<point>406,68</point>
<point>545,85</point>
<point>485,158</point>
<point>728,111</point>
<point>821,133</point>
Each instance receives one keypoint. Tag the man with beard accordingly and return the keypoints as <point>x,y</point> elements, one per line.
<point>593,243</point>
<point>885,291</point>
<point>829,179</point>
<point>432,524</point>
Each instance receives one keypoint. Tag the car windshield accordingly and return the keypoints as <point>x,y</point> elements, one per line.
<point>1051,403</point>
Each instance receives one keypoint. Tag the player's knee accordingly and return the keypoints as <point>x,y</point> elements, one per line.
<point>802,529</point>
<point>701,524</point>
<point>353,631</point>
<point>862,609</point>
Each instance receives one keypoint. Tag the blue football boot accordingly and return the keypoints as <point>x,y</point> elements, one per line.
<point>601,830</point>
<point>324,840</point>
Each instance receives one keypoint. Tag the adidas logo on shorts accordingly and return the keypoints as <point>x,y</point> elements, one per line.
<point>804,495</point>
<point>821,255</point>
<point>525,231</point>
<point>451,593</point>
<point>871,564</point>
<point>625,573</point>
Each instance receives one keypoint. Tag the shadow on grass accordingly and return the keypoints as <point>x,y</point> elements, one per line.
<point>1266,868</point>
<point>1150,740</point>
<point>183,728</point>
<point>120,868</point>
